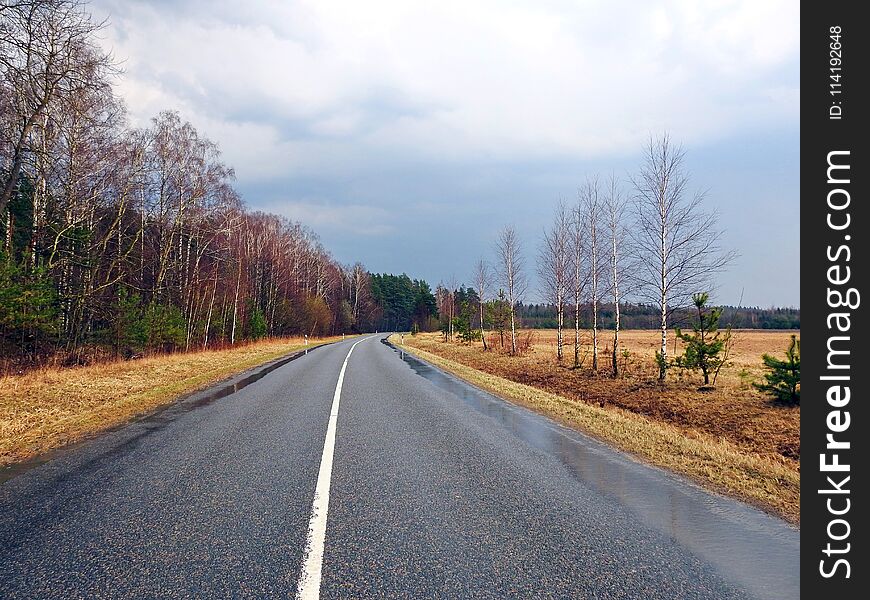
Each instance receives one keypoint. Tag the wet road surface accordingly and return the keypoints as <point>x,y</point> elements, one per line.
<point>436,490</point>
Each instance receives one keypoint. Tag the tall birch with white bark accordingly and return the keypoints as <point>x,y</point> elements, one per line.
<point>678,242</point>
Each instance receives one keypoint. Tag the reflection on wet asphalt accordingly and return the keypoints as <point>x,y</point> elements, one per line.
<point>757,551</point>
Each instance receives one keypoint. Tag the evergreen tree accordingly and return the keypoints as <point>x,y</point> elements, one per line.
<point>404,304</point>
<point>498,314</point>
<point>783,379</point>
<point>705,344</point>
<point>165,327</point>
<point>467,302</point>
<point>128,329</point>
<point>257,324</point>
<point>28,316</point>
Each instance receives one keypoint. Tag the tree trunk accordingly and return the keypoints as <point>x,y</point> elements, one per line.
<point>614,273</point>
<point>18,157</point>
<point>9,226</point>
<point>663,361</point>
<point>39,196</point>
<point>616,334</point>
<point>594,335</point>
<point>208,317</point>
<point>513,333</point>
<point>576,334</point>
<point>593,215</point>
<point>236,303</point>
<point>482,331</point>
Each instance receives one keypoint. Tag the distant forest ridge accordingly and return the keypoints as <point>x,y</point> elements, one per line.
<point>399,303</point>
<point>644,316</point>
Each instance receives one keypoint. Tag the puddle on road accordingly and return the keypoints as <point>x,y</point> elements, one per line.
<point>241,383</point>
<point>756,551</point>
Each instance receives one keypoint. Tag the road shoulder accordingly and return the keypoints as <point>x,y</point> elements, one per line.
<point>53,411</point>
<point>714,464</point>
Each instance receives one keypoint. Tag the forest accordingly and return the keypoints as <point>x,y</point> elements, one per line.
<point>119,240</point>
<point>645,316</point>
<point>640,251</point>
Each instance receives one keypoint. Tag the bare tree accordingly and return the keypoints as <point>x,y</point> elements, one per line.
<point>444,300</point>
<point>554,269</point>
<point>359,291</point>
<point>590,207</point>
<point>678,243</point>
<point>136,239</point>
<point>511,271</point>
<point>482,279</point>
<point>47,49</point>
<point>451,306</point>
<point>579,279</point>
<point>615,207</point>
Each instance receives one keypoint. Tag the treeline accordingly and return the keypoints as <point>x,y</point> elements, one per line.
<point>118,240</point>
<point>402,304</point>
<point>648,241</point>
<point>644,316</point>
<point>638,253</point>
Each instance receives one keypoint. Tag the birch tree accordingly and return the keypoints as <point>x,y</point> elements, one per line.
<point>578,272</point>
<point>511,271</point>
<point>615,207</point>
<point>135,240</point>
<point>554,269</point>
<point>453,286</point>
<point>590,207</point>
<point>678,242</point>
<point>482,279</point>
<point>444,304</point>
<point>47,47</point>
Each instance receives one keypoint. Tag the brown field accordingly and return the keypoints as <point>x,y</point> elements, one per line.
<point>48,408</point>
<point>734,415</point>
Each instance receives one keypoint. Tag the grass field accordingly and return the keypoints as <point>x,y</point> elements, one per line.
<point>733,423</point>
<point>48,408</point>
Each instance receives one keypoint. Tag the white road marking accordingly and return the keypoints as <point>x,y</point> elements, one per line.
<point>308,586</point>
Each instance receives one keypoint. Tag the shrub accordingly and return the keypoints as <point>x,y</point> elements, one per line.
<point>705,345</point>
<point>525,341</point>
<point>783,379</point>
<point>165,327</point>
<point>257,325</point>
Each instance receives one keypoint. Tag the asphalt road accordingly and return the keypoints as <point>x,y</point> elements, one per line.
<point>436,490</point>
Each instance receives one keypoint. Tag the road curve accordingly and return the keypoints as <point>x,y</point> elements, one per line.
<point>436,490</point>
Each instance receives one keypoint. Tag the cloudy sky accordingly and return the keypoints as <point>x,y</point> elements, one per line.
<point>407,133</point>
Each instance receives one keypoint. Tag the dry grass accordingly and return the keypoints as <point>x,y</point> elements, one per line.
<point>731,439</point>
<point>49,408</point>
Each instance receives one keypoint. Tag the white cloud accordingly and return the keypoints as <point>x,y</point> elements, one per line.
<point>383,124</point>
<point>296,85</point>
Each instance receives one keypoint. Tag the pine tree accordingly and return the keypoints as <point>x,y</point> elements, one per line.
<point>257,325</point>
<point>128,328</point>
<point>705,344</point>
<point>498,314</point>
<point>783,379</point>
<point>28,316</point>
